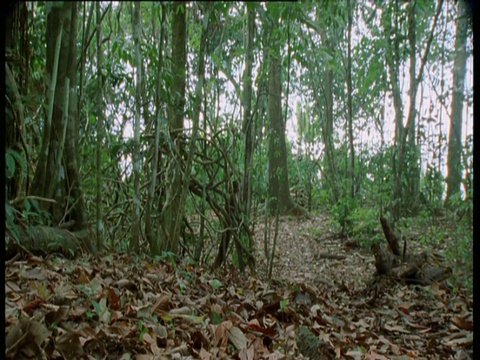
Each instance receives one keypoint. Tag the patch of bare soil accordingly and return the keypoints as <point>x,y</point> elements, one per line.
<point>308,251</point>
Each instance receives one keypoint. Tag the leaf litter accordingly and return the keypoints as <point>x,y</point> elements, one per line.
<point>316,306</point>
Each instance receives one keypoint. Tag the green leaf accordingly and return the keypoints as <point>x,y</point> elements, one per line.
<point>216,318</point>
<point>10,165</point>
<point>12,155</point>
<point>97,307</point>
<point>283,304</point>
<point>216,284</point>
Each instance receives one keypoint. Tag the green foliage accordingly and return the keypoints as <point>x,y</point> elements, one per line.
<point>316,40</point>
<point>142,329</point>
<point>13,159</point>
<point>305,183</point>
<point>283,304</point>
<point>357,221</point>
<point>342,214</point>
<point>216,318</point>
<point>216,284</point>
<point>366,225</point>
<point>461,210</point>
<point>10,223</point>
<point>168,256</point>
<point>100,308</point>
<point>433,186</point>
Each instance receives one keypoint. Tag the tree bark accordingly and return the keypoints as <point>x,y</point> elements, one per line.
<point>99,215</point>
<point>249,129</point>
<point>170,220</point>
<point>454,177</point>
<point>135,245</point>
<point>150,233</point>
<point>327,128</point>
<point>14,119</point>
<point>63,116</point>
<point>401,142</point>
<point>278,188</point>
<point>413,165</point>
<point>349,102</point>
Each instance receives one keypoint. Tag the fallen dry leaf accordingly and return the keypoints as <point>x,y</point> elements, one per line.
<point>122,307</point>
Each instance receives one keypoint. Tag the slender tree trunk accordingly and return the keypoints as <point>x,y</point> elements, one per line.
<point>72,147</point>
<point>60,136</point>
<point>413,166</point>
<point>249,129</point>
<point>135,245</point>
<point>99,227</point>
<point>14,119</point>
<point>454,177</point>
<point>278,188</point>
<point>349,101</point>
<point>402,140</point>
<point>327,128</point>
<point>149,231</point>
<point>170,219</point>
<point>54,38</point>
<point>393,62</point>
<point>83,56</point>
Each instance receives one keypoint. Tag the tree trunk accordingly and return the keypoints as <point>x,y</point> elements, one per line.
<point>171,219</point>
<point>402,141</point>
<point>278,188</point>
<point>349,102</point>
<point>454,176</point>
<point>72,149</point>
<point>62,118</point>
<point>150,233</point>
<point>135,245</point>
<point>413,165</point>
<point>14,119</point>
<point>99,227</point>
<point>249,129</point>
<point>393,61</point>
<point>327,128</point>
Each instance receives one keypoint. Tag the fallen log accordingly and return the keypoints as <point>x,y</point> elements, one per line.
<point>390,236</point>
<point>47,240</point>
<point>404,266</point>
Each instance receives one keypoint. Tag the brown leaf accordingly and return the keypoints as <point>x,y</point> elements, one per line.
<point>68,344</point>
<point>163,304</point>
<point>33,274</point>
<point>39,332</point>
<point>204,354</point>
<point>32,306</point>
<point>185,310</point>
<point>26,337</point>
<point>254,325</point>
<point>56,316</point>
<point>247,354</point>
<point>112,298</point>
<point>462,323</point>
<point>126,284</point>
<point>398,328</point>
<point>221,332</point>
<point>237,337</point>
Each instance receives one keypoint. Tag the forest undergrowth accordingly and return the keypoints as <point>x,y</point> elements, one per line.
<point>323,302</point>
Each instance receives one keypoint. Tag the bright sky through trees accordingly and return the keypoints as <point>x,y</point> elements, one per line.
<point>436,113</point>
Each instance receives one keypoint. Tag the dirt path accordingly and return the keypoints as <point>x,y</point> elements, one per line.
<point>308,251</point>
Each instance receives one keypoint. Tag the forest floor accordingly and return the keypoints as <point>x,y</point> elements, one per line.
<point>322,304</point>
